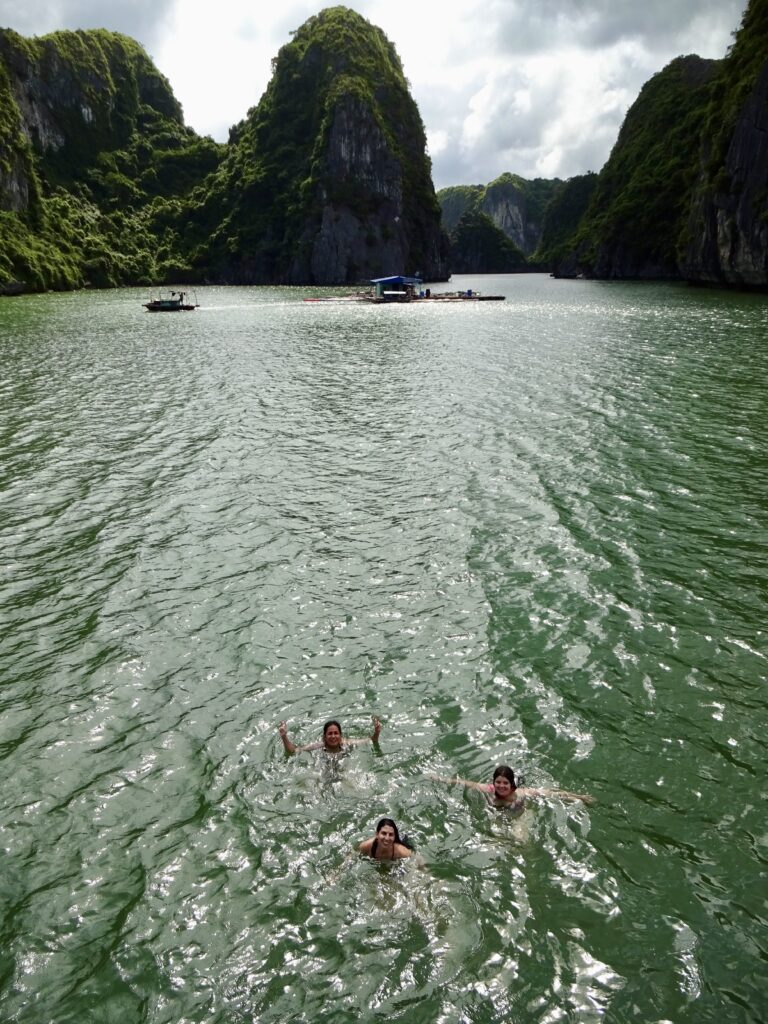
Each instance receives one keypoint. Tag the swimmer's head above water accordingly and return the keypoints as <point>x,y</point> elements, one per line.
<point>506,791</point>
<point>387,831</point>
<point>504,784</point>
<point>332,738</point>
<point>386,844</point>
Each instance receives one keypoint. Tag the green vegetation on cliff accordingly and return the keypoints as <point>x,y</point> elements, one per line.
<point>640,200</point>
<point>479,247</point>
<point>515,207</point>
<point>563,215</point>
<point>456,200</point>
<point>685,190</point>
<point>262,212</point>
<point>97,181</point>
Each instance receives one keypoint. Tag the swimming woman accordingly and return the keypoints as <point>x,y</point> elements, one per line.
<point>386,844</point>
<point>332,742</point>
<point>504,791</point>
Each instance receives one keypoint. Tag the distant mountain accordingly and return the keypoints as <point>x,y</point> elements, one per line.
<point>514,205</point>
<point>684,193</point>
<point>479,247</point>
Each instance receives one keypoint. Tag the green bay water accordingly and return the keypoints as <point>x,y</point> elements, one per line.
<point>532,532</point>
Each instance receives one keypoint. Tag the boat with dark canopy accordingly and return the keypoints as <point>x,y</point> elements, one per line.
<point>174,303</point>
<point>401,288</point>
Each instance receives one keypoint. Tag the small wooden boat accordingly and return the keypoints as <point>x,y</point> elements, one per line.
<point>174,303</point>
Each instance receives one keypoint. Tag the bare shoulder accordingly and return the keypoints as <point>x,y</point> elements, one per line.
<point>402,851</point>
<point>365,846</point>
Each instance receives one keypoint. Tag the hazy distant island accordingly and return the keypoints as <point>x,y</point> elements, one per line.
<point>327,179</point>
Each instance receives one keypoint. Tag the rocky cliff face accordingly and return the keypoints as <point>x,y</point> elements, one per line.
<point>516,212</point>
<point>684,193</point>
<point>16,170</point>
<point>17,178</point>
<point>516,207</point>
<point>327,180</point>
<point>726,237</point>
<point>338,248</point>
<point>78,93</point>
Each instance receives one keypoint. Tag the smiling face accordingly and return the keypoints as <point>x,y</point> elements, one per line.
<point>332,737</point>
<point>502,787</point>
<point>386,836</point>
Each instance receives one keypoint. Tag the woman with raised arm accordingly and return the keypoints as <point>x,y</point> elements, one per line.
<point>504,791</point>
<point>332,742</point>
<point>386,844</point>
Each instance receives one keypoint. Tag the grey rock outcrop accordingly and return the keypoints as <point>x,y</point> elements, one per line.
<point>512,211</point>
<point>14,180</point>
<point>515,205</point>
<point>727,231</point>
<point>345,246</point>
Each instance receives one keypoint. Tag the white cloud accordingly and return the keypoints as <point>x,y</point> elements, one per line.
<point>536,87</point>
<point>143,20</point>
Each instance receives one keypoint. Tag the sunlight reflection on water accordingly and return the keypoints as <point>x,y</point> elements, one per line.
<point>530,532</point>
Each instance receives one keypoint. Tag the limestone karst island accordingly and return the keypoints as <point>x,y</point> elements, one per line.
<point>327,179</point>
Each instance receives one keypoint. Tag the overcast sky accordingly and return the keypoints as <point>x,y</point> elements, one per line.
<point>535,87</point>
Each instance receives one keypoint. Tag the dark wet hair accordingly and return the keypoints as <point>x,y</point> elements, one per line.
<point>328,725</point>
<point>505,772</point>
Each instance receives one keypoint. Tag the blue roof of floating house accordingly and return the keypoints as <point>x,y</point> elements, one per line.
<point>397,279</point>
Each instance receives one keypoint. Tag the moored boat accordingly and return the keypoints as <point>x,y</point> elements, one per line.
<point>173,303</point>
<point>400,288</point>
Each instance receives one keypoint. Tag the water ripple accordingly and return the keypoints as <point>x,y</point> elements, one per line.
<point>531,532</point>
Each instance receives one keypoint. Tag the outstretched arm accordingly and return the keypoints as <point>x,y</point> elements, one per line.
<point>373,738</point>
<point>563,794</point>
<point>290,746</point>
<point>483,787</point>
